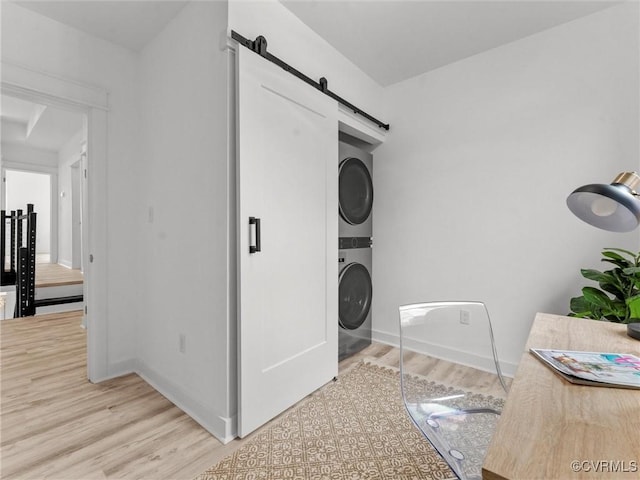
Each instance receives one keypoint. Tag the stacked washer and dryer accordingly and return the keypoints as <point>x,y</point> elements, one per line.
<point>354,255</point>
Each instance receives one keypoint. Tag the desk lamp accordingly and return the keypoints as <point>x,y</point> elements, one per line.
<point>614,207</point>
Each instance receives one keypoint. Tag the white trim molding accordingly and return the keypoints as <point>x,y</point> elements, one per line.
<point>359,127</point>
<point>22,81</point>
<point>29,167</point>
<point>445,353</point>
<point>223,428</point>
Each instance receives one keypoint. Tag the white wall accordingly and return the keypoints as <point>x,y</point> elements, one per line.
<point>44,45</point>
<point>67,156</point>
<point>23,188</point>
<point>28,159</point>
<point>182,214</point>
<point>472,181</point>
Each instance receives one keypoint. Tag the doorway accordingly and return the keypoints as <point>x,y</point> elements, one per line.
<point>42,147</point>
<point>92,102</point>
<point>25,187</point>
<point>67,105</point>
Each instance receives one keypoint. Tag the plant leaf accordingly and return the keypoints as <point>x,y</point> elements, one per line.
<point>608,281</point>
<point>614,290</point>
<point>614,255</point>
<point>616,259</point>
<point>623,282</point>
<point>596,275</point>
<point>633,304</point>
<point>631,254</point>
<point>631,271</point>
<point>616,312</point>
<point>579,305</point>
<point>597,297</point>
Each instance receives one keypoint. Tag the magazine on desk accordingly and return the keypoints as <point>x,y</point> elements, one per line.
<point>601,369</point>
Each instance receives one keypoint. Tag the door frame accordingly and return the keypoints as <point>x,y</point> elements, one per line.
<point>73,95</point>
<point>77,199</point>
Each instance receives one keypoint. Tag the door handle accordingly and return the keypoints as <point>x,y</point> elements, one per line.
<point>255,221</point>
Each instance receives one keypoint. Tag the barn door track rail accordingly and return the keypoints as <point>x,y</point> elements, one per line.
<point>259,46</point>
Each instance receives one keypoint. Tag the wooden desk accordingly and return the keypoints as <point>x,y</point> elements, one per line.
<point>548,423</point>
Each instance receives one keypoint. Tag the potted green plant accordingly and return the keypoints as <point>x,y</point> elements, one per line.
<point>618,298</point>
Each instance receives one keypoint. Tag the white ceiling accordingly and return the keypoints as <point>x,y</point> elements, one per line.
<point>30,124</point>
<point>395,40</point>
<point>389,40</point>
<point>130,24</point>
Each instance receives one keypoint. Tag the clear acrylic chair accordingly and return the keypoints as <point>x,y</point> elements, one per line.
<point>459,424</point>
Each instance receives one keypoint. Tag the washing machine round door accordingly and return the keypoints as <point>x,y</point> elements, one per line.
<point>355,291</point>
<point>355,192</point>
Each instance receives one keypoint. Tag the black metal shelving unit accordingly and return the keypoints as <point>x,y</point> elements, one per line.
<point>21,270</point>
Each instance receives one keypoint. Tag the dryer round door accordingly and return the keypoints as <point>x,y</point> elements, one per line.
<point>355,291</point>
<point>355,191</point>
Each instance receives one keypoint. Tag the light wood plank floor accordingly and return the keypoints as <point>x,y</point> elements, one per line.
<point>55,424</point>
<point>54,275</point>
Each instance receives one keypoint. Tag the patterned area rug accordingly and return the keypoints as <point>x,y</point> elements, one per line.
<point>354,428</point>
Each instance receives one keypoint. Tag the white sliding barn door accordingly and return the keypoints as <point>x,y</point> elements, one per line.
<point>287,178</point>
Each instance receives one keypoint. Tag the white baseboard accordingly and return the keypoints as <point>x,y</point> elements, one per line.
<point>119,369</point>
<point>65,263</point>
<point>231,430</point>
<point>63,307</point>
<point>444,353</point>
<point>58,291</point>
<point>223,428</point>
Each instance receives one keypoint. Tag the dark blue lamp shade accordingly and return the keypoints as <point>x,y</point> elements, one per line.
<point>614,207</point>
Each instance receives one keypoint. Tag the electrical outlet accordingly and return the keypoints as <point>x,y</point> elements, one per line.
<point>465,317</point>
<point>183,343</point>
